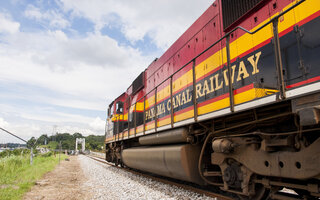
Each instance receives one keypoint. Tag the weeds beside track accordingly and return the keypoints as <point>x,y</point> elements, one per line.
<point>17,176</point>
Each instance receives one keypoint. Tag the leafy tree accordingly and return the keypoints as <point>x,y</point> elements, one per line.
<point>31,142</point>
<point>68,141</point>
<point>42,139</point>
<point>77,135</point>
<point>53,145</point>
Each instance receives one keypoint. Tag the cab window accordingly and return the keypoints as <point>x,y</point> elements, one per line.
<point>111,111</point>
<point>119,107</point>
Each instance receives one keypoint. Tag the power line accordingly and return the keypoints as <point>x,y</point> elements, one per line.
<point>13,135</point>
<point>31,148</point>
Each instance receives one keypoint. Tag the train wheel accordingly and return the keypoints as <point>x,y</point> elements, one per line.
<point>116,163</point>
<point>108,158</point>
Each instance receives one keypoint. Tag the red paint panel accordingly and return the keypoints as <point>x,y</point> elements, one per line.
<point>211,32</point>
<point>149,84</point>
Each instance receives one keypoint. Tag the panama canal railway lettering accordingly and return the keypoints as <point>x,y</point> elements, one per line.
<point>207,86</point>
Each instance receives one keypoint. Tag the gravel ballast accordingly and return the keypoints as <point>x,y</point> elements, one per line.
<point>107,182</point>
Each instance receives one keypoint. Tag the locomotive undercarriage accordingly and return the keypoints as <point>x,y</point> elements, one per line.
<point>254,154</point>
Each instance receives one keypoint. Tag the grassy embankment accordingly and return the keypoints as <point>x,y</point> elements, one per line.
<point>17,176</point>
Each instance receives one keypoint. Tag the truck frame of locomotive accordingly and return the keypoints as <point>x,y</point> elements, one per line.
<point>233,103</point>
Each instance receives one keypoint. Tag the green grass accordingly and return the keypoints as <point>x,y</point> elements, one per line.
<point>17,176</point>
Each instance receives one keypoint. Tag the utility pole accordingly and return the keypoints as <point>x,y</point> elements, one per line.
<point>31,155</point>
<point>31,151</point>
<point>59,151</point>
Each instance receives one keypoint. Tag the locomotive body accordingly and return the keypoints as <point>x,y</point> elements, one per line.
<point>233,103</point>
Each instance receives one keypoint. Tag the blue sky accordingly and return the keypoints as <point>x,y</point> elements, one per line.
<point>63,61</point>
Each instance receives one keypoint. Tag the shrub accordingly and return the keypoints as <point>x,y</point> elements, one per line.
<point>48,154</point>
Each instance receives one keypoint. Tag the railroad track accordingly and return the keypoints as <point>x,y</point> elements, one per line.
<point>166,181</point>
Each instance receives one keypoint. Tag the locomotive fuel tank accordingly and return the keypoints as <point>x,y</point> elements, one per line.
<point>175,161</point>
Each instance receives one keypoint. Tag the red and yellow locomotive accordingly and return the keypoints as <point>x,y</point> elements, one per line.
<point>233,103</point>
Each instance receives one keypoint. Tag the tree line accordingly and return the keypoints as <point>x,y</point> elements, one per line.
<point>93,142</point>
<point>12,145</point>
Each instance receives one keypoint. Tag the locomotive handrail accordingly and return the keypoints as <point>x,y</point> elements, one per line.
<point>195,110</point>
<point>273,20</point>
<point>270,21</point>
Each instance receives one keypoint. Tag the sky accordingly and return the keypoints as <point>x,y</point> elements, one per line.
<point>62,62</point>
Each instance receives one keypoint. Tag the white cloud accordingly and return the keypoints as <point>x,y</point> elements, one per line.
<point>7,25</point>
<point>98,124</point>
<point>15,2</point>
<point>95,50</point>
<point>163,21</point>
<point>52,17</point>
<point>3,123</point>
<point>86,68</point>
<point>33,12</point>
<point>78,129</point>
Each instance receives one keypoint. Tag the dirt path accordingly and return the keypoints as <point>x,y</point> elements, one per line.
<point>64,182</point>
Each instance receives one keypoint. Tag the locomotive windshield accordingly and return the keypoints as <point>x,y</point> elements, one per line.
<point>109,128</point>
<point>111,111</point>
<point>109,124</point>
<point>119,107</point>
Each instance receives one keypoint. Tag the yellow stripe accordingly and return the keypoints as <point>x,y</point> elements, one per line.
<point>125,134</point>
<point>109,139</point>
<point>183,116</point>
<point>150,126</point>
<point>117,117</point>
<point>140,129</point>
<point>217,105</point>
<point>150,101</point>
<point>164,122</point>
<point>140,106</point>
<point>131,131</point>
<point>238,99</point>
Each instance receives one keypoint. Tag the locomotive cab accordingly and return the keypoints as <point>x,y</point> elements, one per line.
<point>115,112</point>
